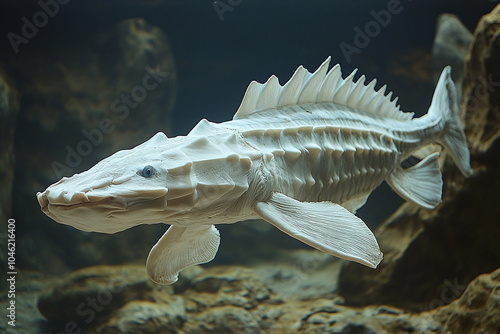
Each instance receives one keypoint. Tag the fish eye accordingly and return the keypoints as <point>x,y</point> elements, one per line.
<point>147,171</point>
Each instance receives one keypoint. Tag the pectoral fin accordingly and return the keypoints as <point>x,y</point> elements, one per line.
<point>181,247</point>
<point>323,225</point>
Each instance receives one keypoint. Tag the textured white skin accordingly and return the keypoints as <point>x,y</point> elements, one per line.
<point>319,138</point>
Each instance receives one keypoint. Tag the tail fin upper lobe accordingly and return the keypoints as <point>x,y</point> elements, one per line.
<point>444,105</point>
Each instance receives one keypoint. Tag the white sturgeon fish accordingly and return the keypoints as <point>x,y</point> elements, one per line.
<point>303,157</point>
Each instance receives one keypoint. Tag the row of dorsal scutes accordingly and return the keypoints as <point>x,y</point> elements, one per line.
<point>293,142</point>
<point>321,87</point>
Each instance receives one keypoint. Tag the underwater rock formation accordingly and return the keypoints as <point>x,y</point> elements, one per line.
<point>127,301</point>
<point>450,47</point>
<point>477,310</point>
<point>110,286</point>
<point>431,254</point>
<point>84,96</point>
<point>28,318</point>
<point>232,299</point>
<point>481,100</point>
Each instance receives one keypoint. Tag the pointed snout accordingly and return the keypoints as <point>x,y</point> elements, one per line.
<point>42,199</point>
<point>62,198</point>
<point>63,193</point>
<point>50,199</point>
<point>66,199</point>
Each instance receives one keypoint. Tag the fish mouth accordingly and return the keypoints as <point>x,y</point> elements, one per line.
<point>81,200</point>
<point>42,200</point>
<point>68,201</point>
<point>104,213</point>
<point>86,216</point>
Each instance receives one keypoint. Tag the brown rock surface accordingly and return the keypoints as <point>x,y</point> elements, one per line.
<point>232,285</point>
<point>426,250</point>
<point>482,90</point>
<point>146,317</point>
<point>108,288</point>
<point>450,47</point>
<point>477,310</point>
<point>231,299</point>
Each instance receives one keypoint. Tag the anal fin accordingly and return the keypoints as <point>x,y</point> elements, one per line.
<point>179,248</point>
<point>421,184</point>
<point>325,226</point>
<point>354,204</point>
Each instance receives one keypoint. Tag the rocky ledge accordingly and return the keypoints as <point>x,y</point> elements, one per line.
<point>232,299</point>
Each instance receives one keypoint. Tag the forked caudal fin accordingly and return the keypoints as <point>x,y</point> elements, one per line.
<point>444,105</point>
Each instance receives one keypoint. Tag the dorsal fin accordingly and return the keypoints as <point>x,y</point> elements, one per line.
<point>320,87</point>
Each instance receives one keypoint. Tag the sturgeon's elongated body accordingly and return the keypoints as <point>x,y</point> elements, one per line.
<point>303,156</point>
